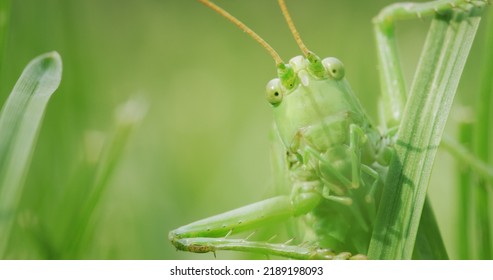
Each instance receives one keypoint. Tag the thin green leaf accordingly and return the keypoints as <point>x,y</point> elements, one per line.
<point>464,193</point>
<point>128,117</point>
<point>466,157</point>
<point>4,25</point>
<point>444,55</point>
<point>429,244</point>
<point>20,120</point>
<point>482,149</point>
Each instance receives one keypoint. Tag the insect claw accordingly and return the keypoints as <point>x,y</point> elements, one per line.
<point>214,252</point>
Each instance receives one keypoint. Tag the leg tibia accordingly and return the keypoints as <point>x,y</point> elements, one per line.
<point>246,218</point>
<point>205,244</point>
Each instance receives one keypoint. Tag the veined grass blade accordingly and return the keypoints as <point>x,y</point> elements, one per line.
<point>20,120</point>
<point>444,55</point>
<point>483,148</point>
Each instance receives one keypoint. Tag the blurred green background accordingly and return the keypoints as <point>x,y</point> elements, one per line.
<point>203,146</point>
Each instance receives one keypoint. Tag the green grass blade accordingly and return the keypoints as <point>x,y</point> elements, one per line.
<point>128,117</point>
<point>483,148</point>
<point>464,193</point>
<point>466,157</point>
<point>442,62</point>
<point>20,120</point>
<point>429,244</point>
<point>4,25</point>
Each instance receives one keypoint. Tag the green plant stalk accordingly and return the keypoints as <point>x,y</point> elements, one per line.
<point>467,157</point>
<point>20,120</point>
<point>464,194</point>
<point>4,26</point>
<point>482,147</point>
<point>444,55</point>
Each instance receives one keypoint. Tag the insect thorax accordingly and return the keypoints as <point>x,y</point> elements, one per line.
<point>329,141</point>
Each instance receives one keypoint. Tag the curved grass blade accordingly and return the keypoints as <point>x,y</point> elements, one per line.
<point>20,120</point>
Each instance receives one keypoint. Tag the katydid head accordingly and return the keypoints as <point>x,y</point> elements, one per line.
<point>310,92</point>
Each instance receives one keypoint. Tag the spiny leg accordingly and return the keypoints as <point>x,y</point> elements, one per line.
<point>391,78</point>
<point>301,252</point>
<point>208,235</point>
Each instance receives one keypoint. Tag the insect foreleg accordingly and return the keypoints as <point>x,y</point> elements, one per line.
<point>199,236</point>
<point>356,138</point>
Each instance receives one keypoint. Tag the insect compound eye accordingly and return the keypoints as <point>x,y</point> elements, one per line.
<point>334,67</point>
<point>274,92</point>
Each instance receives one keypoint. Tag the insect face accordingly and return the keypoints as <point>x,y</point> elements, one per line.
<point>319,100</point>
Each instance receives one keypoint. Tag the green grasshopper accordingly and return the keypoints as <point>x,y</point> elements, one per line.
<point>334,158</point>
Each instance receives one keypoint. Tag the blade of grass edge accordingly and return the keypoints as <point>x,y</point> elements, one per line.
<point>20,120</point>
<point>429,243</point>
<point>442,62</point>
<point>482,148</point>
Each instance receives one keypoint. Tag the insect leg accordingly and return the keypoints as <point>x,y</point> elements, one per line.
<point>356,138</point>
<point>370,196</point>
<point>301,252</point>
<point>207,235</point>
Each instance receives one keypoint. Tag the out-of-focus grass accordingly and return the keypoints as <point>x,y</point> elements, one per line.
<point>203,146</point>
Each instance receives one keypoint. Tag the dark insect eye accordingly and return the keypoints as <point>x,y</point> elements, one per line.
<point>334,67</point>
<point>274,93</point>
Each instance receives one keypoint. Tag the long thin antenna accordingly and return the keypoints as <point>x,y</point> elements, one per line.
<point>245,28</point>
<point>295,33</point>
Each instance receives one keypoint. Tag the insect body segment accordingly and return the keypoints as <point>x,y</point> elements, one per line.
<point>331,149</point>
